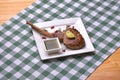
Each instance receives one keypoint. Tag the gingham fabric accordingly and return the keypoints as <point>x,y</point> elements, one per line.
<point>19,57</point>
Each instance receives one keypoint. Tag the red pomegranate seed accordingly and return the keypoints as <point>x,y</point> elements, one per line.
<point>63,50</point>
<point>52,27</point>
<point>43,37</point>
<point>56,31</point>
<point>73,27</point>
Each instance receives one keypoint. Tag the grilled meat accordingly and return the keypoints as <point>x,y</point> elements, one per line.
<point>75,43</point>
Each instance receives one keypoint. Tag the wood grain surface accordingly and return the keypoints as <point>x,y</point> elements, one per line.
<point>108,70</point>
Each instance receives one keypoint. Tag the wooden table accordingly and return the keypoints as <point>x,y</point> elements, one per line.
<point>109,70</point>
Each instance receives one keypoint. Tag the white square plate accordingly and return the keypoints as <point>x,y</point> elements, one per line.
<point>61,24</point>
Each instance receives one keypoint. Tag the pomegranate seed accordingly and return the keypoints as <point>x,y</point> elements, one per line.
<point>63,50</point>
<point>73,27</point>
<point>52,27</point>
<point>56,31</point>
<point>43,37</point>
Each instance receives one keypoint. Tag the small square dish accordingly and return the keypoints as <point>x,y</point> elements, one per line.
<point>60,24</point>
<point>52,45</point>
